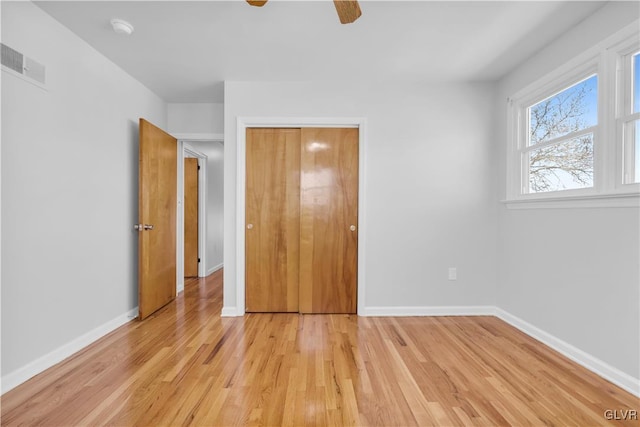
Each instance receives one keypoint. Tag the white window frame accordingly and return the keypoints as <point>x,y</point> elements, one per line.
<point>581,74</point>
<point>606,60</point>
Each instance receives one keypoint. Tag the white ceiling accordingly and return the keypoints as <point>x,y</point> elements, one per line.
<point>184,50</point>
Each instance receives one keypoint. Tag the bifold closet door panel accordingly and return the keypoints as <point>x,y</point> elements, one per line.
<point>328,220</point>
<point>272,235</point>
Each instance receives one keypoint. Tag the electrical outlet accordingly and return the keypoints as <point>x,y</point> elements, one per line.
<point>453,273</point>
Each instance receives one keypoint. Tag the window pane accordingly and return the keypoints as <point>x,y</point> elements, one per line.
<point>636,150</point>
<point>632,152</point>
<point>571,110</point>
<point>562,166</point>
<point>636,83</point>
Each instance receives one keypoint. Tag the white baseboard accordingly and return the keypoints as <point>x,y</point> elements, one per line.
<point>214,269</point>
<point>20,375</point>
<point>595,365</point>
<point>230,312</point>
<point>473,310</point>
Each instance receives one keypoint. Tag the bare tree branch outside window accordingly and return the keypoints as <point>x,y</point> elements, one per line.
<point>566,163</point>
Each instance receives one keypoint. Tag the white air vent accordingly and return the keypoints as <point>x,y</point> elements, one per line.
<point>15,62</point>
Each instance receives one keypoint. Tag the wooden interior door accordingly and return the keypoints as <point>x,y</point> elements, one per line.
<point>157,218</point>
<point>328,220</point>
<point>191,217</point>
<point>272,235</point>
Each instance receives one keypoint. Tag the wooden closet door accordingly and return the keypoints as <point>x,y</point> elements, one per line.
<point>328,220</point>
<point>272,235</point>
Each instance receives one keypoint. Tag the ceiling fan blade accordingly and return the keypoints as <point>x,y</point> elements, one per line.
<point>258,3</point>
<point>348,10</point>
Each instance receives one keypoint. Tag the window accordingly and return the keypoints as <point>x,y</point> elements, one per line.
<point>575,134</point>
<point>559,151</point>
<point>631,118</point>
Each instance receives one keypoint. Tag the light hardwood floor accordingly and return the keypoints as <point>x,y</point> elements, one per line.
<point>187,366</point>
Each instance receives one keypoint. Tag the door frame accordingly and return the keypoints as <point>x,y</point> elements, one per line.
<point>185,150</point>
<point>296,122</point>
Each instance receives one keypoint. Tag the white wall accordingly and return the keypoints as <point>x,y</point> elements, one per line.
<point>573,273</point>
<point>69,189</point>
<point>195,118</point>
<point>215,203</point>
<point>430,180</point>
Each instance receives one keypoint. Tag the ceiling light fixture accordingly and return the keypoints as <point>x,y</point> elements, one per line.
<point>120,26</point>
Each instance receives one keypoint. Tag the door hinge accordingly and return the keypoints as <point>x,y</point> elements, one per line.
<point>198,259</point>
<point>198,167</point>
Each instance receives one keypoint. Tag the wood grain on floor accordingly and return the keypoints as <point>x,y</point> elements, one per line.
<point>185,365</point>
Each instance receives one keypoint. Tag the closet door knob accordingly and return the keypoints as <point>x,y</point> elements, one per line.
<point>352,228</point>
<point>249,226</point>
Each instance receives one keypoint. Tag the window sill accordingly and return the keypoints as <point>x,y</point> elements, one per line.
<point>614,200</point>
